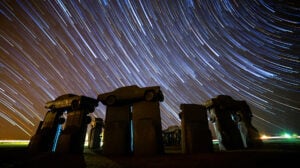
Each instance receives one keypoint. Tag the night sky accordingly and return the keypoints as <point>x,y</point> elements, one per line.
<point>194,50</point>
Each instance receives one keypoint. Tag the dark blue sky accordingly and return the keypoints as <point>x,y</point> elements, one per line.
<point>194,50</point>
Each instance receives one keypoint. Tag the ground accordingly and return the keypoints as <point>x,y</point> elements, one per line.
<point>275,153</point>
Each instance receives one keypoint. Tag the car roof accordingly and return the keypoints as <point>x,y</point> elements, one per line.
<point>65,96</point>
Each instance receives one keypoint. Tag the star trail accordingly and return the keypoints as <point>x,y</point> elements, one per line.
<point>194,49</point>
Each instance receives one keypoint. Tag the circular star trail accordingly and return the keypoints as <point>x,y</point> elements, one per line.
<point>194,50</point>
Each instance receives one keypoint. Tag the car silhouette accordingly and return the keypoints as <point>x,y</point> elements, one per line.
<point>222,115</point>
<point>129,94</point>
<point>72,102</point>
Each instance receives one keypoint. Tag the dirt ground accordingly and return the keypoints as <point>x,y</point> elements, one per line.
<point>274,154</point>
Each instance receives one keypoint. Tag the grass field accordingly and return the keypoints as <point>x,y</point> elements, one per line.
<point>268,140</point>
<point>13,143</point>
<point>276,152</point>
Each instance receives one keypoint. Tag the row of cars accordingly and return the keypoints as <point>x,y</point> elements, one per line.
<point>123,95</point>
<point>231,119</point>
<point>64,126</point>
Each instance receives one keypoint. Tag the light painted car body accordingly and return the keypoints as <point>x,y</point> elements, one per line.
<point>71,101</point>
<point>130,94</point>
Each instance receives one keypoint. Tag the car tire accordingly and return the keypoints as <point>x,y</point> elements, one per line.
<point>212,119</point>
<point>75,104</point>
<point>52,107</point>
<point>160,96</point>
<point>110,100</point>
<point>88,119</point>
<point>149,95</point>
<point>238,118</point>
<point>61,120</point>
<point>90,109</point>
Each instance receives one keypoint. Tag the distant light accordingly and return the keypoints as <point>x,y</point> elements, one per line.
<point>286,135</point>
<point>282,136</point>
<point>264,136</point>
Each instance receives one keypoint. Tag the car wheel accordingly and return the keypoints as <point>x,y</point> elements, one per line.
<point>91,109</point>
<point>61,120</point>
<point>149,95</point>
<point>238,118</point>
<point>52,107</point>
<point>75,104</point>
<point>88,119</point>
<point>161,96</point>
<point>110,100</point>
<point>212,119</point>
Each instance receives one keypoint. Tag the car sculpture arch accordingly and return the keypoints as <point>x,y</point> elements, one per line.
<point>50,129</point>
